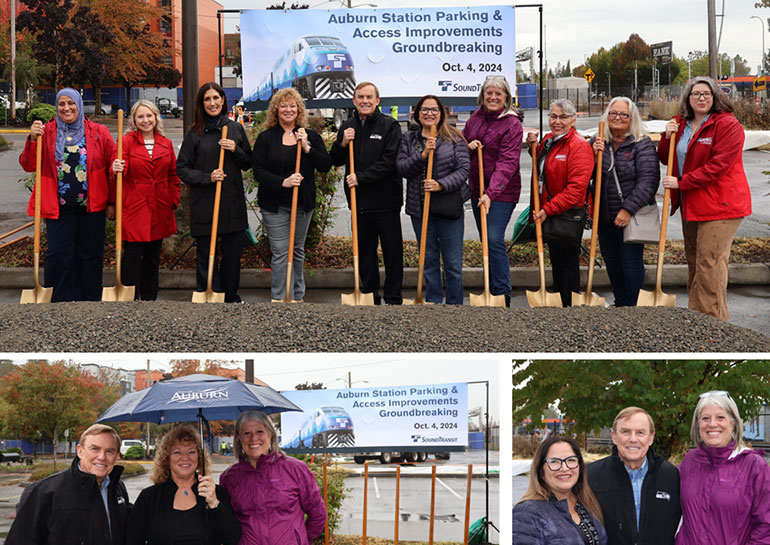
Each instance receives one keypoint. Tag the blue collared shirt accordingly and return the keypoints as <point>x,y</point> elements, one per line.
<point>637,478</point>
<point>684,143</point>
<point>103,492</point>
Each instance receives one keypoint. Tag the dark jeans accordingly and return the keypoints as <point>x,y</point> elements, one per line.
<point>227,268</point>
<point>75,255</point>
<point>565,267</point>
<point>499,266</point>
<point>384,227</point>
<point>140,268</point>
<point>444,242</point>
<point>625,264</point>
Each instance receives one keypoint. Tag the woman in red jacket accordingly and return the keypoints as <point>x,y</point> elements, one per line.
<point>150,196</point>
<point>76,193</point>
<point>711,188</point>
<point>565,164</point>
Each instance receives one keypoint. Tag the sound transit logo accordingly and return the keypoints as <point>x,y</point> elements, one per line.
<point>212,394</point>
<point>444,84</point>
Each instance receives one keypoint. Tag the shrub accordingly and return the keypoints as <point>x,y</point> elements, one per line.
<point>662,109</point>
<point>134,453</point>
<point>17,450</point>
<point>524,446</point>
<point>43,112</point>
<point>746,112</point>
<point>335,487</point>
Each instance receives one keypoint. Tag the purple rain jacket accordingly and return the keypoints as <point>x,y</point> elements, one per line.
<point>725,497</point>
<point>501,135</point>
<point>548,523</point>
<point>272,499</point>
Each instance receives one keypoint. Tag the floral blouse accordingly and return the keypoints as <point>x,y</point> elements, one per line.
<point>73,183</point>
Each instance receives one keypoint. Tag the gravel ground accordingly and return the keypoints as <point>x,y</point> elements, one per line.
<point>264,327</point>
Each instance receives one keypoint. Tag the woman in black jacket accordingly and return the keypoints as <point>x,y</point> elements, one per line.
<point>184,506</point>
<point>197,166</point>
<point>274,160</point>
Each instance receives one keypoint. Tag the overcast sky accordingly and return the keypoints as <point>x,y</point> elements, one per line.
<point>285,371</point>
<point>575,29</point>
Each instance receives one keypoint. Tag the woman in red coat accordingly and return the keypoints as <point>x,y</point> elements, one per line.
<point>75,196</point>
<point>565,164</point>
<point>710,187</point>
<point>150,196</point>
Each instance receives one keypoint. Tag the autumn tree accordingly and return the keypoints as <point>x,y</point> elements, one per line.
<point>592,392</point>
<point>47,398</point>
<point>310,386</point>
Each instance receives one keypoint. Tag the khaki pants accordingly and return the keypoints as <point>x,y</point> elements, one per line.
<point>707,249</point>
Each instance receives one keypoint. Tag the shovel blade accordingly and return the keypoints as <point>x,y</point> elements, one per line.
<point>119,293</point>
<point>542,298</point>
<point>286,299</point>
<point>587,299</point>
<point>357,299</point>
<point>208,297</point>
<point>655,299</point>
<point>37,294</point>
<point>486,299</point>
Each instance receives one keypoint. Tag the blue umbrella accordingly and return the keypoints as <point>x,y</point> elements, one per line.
<point>201,397</point>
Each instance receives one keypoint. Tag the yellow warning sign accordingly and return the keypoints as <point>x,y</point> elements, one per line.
<point>589,75</point>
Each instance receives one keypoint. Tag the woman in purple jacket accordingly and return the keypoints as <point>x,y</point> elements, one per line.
<point>725,486</point>
<point>451,164</point>
<point>630,174</point>
<point>496,127</point>
<point>559,507</point>
<point>270,492</point>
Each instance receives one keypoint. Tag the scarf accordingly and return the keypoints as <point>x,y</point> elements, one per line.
<point>68,133</point>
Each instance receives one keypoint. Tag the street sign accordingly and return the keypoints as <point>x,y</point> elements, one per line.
<point>662,52</point>
<point>760,84</point>
<point>589,75</point>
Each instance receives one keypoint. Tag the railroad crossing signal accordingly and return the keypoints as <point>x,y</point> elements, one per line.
<point>760,84</point>
<point>589,75</point>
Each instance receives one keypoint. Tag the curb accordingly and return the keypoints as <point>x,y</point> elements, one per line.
<point>521,277</point>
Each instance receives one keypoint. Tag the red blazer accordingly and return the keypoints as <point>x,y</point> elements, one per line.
<point>568,170</point>
<point>99,147</point>
<point>714,184</point>
<point>150,189</point>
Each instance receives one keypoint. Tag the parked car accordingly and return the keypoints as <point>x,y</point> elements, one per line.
<point>128,443</point>
<point>6,103</point>
<point>89,108</point>
<point>168,107</point>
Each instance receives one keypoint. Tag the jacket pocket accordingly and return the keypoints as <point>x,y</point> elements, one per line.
<point>296,536</point>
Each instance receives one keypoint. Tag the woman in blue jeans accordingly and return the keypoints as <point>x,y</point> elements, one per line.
<point>451,164</point>
<point>496,127</point>
<point>274,160</point>
<point>630,178</point>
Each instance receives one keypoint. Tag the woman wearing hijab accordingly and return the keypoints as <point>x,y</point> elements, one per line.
<point>76,195</point>
<point>198,166</point>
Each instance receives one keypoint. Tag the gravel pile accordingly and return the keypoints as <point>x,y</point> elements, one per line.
<point>165,326</point>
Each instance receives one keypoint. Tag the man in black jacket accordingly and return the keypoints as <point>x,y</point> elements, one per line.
<point>638,491</point>
<point>86,504</point>
<point>379,190</point>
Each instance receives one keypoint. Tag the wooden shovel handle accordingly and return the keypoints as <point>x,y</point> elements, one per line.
<point>483,211</point>
<point>595,223</point>
<point>353,205</point>
<point>294,199</point>
<point>38,188</point>
<point>536,198</point>
<point>217,197</point>
<point>666,197</point>
<point>425,218</point>
<point>119,201</point>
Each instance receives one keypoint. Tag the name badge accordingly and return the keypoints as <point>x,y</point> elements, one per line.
<point>375,137</point>
<point>662,496</point>
<point>560,157</point>
<point>706,140</point>
<point>121,500</point>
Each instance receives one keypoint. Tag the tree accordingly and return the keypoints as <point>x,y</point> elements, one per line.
<point>699,65</point>
<point>310,386</point>
<point>94,55</point>
<point>48,398</point>
<point>592,392</point>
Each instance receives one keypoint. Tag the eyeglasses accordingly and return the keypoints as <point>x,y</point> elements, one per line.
<point>496,76</point>
<point>697,96</point>
<point>621,115</point>
<point>554,464</point>
<point>426,110</point>
<point>563,117</point>
<point>715,393</point>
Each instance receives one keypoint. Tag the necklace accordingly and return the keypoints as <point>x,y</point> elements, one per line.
<point>186,492</point>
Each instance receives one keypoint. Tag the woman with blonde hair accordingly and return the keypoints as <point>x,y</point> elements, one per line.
<point>184,506</point>
<point>558,506</point>
<point>725,486</point>
<point>630,174</point>
<point>274,161</point>
<point>150,197</point>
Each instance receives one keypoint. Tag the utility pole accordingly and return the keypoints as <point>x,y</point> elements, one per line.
<point>712,37</point>
<point>12,102</point>
<point>189,59</point>
<point>350,380</point>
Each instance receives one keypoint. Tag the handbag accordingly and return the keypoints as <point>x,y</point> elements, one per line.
<point>565,228</point>
<point>644,226</point>
<point>446,204</point>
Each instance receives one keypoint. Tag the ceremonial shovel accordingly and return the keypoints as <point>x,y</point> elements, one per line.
<point>292,232</point>
<point>355,298</point>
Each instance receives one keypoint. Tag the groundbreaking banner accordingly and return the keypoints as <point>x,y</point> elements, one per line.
<point>426,416</point>
<point>405,52</point>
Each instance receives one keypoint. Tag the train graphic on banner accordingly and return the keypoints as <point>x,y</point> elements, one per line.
<point>318,67</point>
<point>326,427</point>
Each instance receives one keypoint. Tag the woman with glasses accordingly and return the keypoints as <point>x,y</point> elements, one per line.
<point>725,486</point>
<point>496,127</point>
<point>565,163</point>
<point>710,187</point>
<point>451,163</point>
<point>274,160</point>
<point>630,174</point>
<point>558,507</point>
